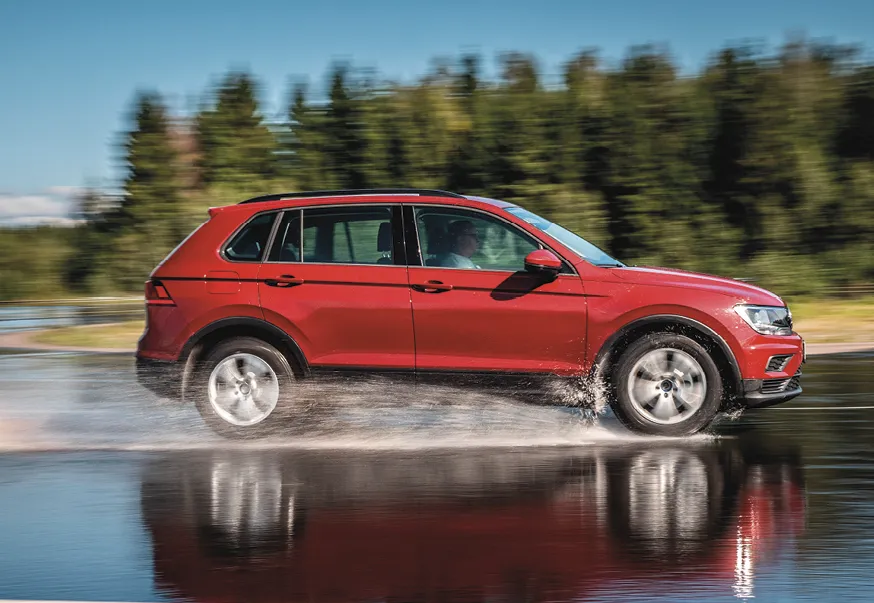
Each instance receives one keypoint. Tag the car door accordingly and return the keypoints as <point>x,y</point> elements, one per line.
<point>332,282</point>
<point>475,308</point>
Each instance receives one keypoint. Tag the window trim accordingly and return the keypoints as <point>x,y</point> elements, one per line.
<point>268,244</point>
<point>275,232</point>
<point>302,209</point>
<point>418,244</point>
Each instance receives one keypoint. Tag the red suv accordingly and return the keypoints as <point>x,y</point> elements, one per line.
<point>434,285</point>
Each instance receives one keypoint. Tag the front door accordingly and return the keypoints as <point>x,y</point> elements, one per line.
<point>476,309</point>
<point>332,282</point>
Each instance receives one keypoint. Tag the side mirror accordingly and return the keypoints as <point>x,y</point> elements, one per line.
<point>544,262</point>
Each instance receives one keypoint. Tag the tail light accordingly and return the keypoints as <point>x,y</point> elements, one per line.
<point>157,294</point>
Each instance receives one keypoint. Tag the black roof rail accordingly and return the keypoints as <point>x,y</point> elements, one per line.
<point>353,192</point>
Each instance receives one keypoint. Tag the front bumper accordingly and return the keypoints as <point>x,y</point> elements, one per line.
<point>766,392</point>
<point>161,377</point>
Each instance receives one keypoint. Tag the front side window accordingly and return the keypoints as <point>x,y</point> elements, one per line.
<point>249,243</point>
<point>457,238</point>
<point>336,235</point>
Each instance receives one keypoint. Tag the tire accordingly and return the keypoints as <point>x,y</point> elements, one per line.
<point>253,407</point>
<point>670,503</point>
<point>685,384</point>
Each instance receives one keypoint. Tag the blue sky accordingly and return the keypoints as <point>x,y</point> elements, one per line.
<point>69,68</point>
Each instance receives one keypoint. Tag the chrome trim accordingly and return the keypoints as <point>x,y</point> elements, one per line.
<point>787,358</point>
<point>273,232</point>
<point>340,264</point>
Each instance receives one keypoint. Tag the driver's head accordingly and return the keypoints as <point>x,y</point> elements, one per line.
<point>463,237</point>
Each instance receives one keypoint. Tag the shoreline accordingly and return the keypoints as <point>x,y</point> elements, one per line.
<point>22,341</point>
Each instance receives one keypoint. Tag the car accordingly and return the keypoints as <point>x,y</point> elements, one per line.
<point>438,287</point>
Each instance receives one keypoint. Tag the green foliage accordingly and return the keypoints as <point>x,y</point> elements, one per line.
<point>235,146</point>
<point>31,262</point>
<point>758,166</point>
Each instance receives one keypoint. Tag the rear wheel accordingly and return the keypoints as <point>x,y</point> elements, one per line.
<point>666,384</point>
<point>243,387</point>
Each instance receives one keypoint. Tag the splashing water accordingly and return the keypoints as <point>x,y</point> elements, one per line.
<point>72,404</point>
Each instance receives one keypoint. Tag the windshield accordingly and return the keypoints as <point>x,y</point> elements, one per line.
<point>570,240</point>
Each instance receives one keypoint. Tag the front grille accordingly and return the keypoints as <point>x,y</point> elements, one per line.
<point>778,363</point>
<point>775,386</point>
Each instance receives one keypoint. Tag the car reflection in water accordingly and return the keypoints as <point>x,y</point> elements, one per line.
<point>467,525</point>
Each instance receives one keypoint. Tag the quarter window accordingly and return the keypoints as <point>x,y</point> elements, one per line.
<point>455,238</point>
<point>248,244</point>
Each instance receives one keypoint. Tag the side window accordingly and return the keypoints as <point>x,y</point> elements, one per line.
<point>457,238</point>
<point>348,235</point>
<point>249,243</point>
<point>286,244</point>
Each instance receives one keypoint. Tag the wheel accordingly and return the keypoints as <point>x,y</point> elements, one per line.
<point>667,385</point>
<point>242,388</point>
<point>670,503</point>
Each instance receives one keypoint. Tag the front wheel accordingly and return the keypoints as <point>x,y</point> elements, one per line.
<point>666,385</point>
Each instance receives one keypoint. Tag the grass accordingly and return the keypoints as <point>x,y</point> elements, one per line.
<point>846,320</point>
<point>122,335</point>
<point>817,320</point>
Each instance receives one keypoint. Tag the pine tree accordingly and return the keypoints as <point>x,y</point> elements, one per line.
<point>344,144</point>
<point>236,149</point>
<point>148,224</point>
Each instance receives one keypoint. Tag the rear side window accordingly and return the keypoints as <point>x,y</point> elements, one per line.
<point>248,244</point>
<point>336,235</point>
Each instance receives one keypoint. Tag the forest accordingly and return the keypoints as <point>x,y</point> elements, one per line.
<point>760,165</point>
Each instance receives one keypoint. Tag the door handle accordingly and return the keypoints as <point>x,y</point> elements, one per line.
<point>432,287</point>
<point>285,280</point>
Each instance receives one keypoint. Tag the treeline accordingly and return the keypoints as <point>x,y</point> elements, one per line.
<point>758,166</point>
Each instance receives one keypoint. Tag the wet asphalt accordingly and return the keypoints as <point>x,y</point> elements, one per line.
<point>108,493</point>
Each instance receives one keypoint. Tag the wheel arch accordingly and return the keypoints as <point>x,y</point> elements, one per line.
<point>617,343</point>
<point>241,326</point>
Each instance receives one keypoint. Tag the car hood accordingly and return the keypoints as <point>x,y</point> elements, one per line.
<point>742,292</point>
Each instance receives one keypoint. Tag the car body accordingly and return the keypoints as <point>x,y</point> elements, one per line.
<point>356,282</point>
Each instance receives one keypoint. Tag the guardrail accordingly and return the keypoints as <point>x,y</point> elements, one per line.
<point>73,301</point>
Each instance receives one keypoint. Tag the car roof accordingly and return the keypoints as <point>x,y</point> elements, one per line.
<point>338,197</point>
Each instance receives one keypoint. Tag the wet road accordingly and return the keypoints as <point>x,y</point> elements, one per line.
<point>106,493</point>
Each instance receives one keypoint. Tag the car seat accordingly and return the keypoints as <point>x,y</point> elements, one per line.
<point>437,243</point>
<point>384,243</point>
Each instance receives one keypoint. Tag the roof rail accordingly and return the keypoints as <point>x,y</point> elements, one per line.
<point>353,192</point>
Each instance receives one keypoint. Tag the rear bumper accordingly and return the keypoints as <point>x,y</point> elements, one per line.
<point>767,392</point>
<point>161,377</point>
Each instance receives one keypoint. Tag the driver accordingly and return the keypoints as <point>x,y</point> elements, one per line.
<point>463,243</point>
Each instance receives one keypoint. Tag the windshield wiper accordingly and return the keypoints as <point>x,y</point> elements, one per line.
<point>611,265</point>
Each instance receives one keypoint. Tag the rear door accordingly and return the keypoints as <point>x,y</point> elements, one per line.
<point>335,280</point>
<point>476,309</point>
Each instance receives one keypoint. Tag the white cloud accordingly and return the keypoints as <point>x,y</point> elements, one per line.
<point>63,191</point>
<point>50,206</point>
<point>38,221</point>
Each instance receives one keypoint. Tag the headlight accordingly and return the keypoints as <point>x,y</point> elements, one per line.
<point>767,320</point>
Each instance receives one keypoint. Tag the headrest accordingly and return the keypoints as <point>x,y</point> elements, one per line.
<point>383,239</point>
